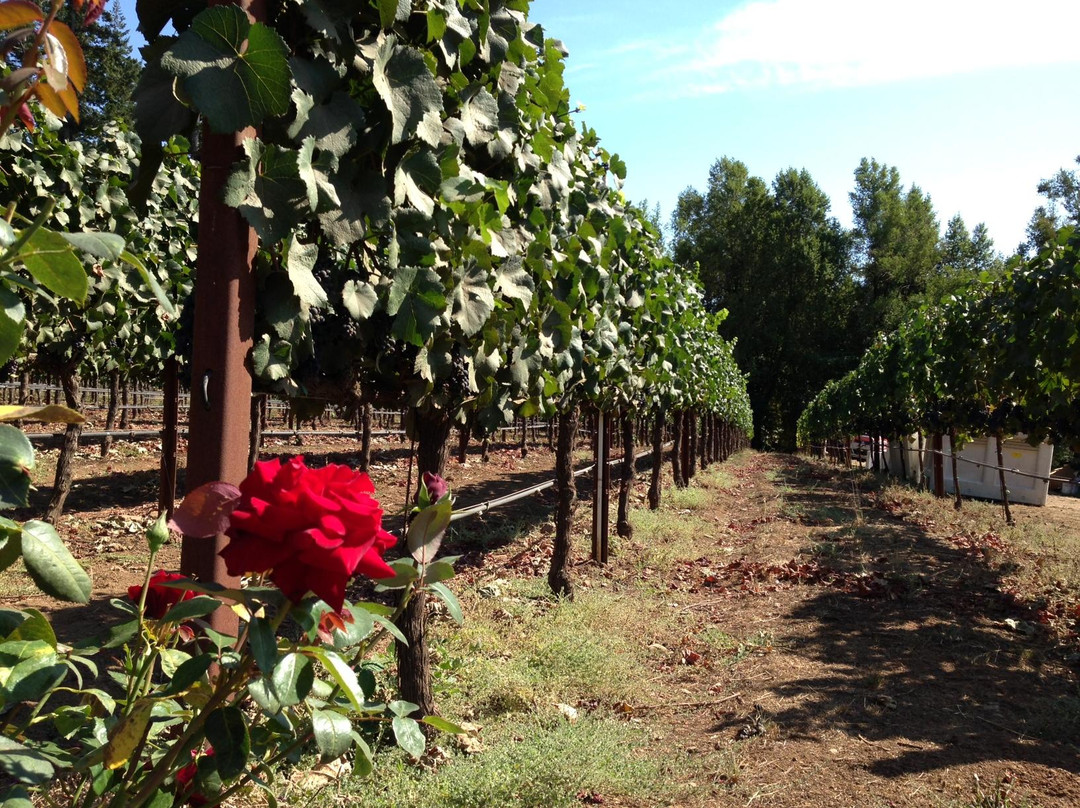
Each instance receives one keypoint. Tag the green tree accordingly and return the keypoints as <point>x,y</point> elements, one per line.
<point>111,64</point>
<point>780,265</point>
<point>1062,192</point>
<point>896,233</point>
<point>964,256</point>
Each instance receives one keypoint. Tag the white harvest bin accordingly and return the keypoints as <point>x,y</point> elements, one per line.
<point>910,444</point>
<point>983,482</point>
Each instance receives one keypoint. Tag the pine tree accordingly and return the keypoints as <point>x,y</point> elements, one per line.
<point>112,70</point>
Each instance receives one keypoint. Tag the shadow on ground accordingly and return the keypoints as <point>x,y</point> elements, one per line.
<point>932,664</point>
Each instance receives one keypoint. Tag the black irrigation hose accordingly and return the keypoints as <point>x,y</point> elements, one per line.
<point>483,507</point>
<point>150,434</point>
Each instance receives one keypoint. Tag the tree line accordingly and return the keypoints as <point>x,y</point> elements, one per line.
<point>807,296</point>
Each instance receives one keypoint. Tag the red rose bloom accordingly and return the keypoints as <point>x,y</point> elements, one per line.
<point>313,529</point>
<point>159,599</point>
<point>185,777</point>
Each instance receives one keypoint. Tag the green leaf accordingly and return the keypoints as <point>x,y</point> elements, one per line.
<point>10,544</point>
<point>407,87</point>
<point>391,629</point>
<point>292,679</point>
<point>51,564</point>
<point>440,570</point>
<point>427,529</point>
<point>107,246</point>
<point>409,736</point>
<point>271,364</point>
<point>333,733</point>
<point>151,282</point>
<point>163,799</point>
<point>24,764</point>
<point>299,262</point>
<point>189,609</point>
<point>472,301</point>
<point>513,281</point>
<point>187,674</point>
<point>52,263</point>
<point>405,572</point>
<point>418,179</point>
<point>16,796</point>
<point>270,190</point>
<point>35,627</point>
<point>227,732</point>
<point>393,10</point>
<point>332,124</point>
<point>342,674</point>
<point>12,323</point>
<point>32,678</point>
<point>7,234</point>
<point>442,725</point>
<point>237,73</point>
<point>360,298</point>
<point>402,707</point>
<point>480,116</point>
<point>16,462</point>
<point>263,645</point>
<point>453,605</point>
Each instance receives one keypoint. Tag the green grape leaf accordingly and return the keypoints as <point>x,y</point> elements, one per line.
<point>236,72</point>
<point>513,281</point>
<point>360,299</point>
<point>472,301</point>
<point>299,262</point>
<point>270,190</point>
<point>407,87</point>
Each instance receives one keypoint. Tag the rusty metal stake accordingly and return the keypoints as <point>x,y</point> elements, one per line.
<point>170,416</point>
<point>220,409</point>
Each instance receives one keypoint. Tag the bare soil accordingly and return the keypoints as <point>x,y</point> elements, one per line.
<point>882,660</point>
<point>870,651</point>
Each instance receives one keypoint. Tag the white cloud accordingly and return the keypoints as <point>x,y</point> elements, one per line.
<point>848,43</point>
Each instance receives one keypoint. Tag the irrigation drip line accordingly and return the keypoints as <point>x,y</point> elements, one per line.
<point>963,459</point>
<point>483,507</point>
<point>150,434</point>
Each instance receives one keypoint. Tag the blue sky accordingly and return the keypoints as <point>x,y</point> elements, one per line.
<point>973,101</point>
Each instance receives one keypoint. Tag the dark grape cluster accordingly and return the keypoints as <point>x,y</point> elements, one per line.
<point>457,384</point>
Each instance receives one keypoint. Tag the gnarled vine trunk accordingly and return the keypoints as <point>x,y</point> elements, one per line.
<point>690,438</point>
<point>366,417</point>
<point>657,459</point>
<point>622,524</point>
<point>65,464</point>
<point>1000,437</point>
<point>958,503</point>
<point>566,499</point>
<point>110,414</point>
<point>677,450</point>
<point>432,430</point>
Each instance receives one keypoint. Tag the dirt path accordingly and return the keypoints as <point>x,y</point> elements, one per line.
<point>845,653</point>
